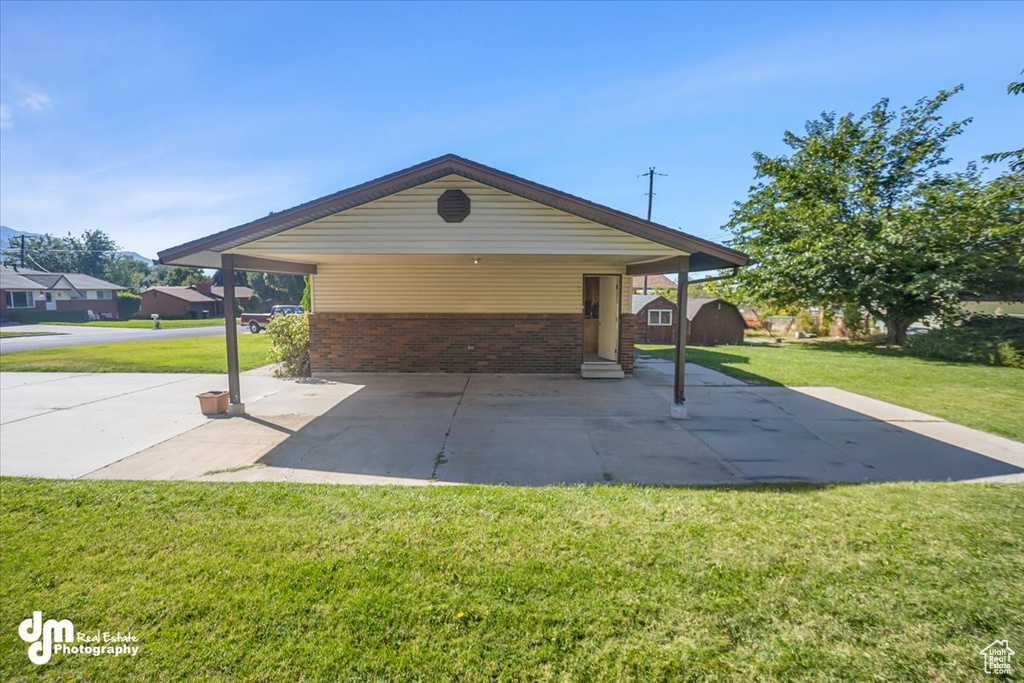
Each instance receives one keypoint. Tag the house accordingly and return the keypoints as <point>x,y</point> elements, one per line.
<point>201,300</point>
<point>657,320</point>
<point>30,294</point>
<point>646,284</point>
<point>486,272</point>
<point>714,321</point>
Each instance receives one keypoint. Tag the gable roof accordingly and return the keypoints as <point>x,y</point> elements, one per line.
<point>199,252</point>
<point>654,281</point>
<point>185,294</point>
<point>196,296</point>
<point>13,279</point>
<point>44,280</point>
<point>641,300</point>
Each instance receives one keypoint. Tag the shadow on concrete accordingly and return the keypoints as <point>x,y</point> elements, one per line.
<point>540,430</point>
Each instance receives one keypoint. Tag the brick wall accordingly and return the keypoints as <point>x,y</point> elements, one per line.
<point>439,342</point>
<point>627,335</point>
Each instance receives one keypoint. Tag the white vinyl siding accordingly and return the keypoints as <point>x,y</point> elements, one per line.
<point>432,287</point>
<point>499,223</point>
<point>659,317</point>
<point>17,299</point>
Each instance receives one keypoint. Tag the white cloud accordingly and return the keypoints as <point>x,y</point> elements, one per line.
<point>36,101</point>
<point>6,118</point>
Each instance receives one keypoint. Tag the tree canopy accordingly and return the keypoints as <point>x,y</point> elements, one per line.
<point>860,213</point>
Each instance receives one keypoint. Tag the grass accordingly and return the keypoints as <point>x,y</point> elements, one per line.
<point>144,324</point>
<point>192,354</point>
<point>13,335</point>
<point>268,582</point>
<point>979,396</point>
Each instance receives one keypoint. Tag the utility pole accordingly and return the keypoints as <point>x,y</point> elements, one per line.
<point>650,200</point>
<point>22,252</point>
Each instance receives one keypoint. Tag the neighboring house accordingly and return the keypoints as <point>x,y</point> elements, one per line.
<point>36,290</point>
<point>714,321</point>
<point>651,282</point>
<point>198,301</point>
<point>485,272</point>
<point>657,319</point>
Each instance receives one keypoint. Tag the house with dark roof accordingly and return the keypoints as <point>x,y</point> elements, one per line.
<point>486,272</point>
<point>200,300</point>
<point>24,290</point>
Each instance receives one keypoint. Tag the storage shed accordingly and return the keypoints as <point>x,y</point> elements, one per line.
<point>714,321</point>
<point>656,319</point>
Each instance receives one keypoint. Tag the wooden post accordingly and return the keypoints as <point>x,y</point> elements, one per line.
<point>235,405</point>
<point>682,328</point>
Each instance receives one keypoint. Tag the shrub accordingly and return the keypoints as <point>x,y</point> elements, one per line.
<point>37,316</point>
<point>979,339</point>
<point>128,304</point>
<point>805,322</point>
<point>290,344</point>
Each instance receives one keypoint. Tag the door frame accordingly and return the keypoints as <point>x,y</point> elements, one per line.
<point>618,307</point>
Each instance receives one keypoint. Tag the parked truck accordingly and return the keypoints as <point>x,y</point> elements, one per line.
<point>257,321</point>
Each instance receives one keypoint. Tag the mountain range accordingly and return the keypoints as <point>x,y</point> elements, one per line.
<point>8,239</point>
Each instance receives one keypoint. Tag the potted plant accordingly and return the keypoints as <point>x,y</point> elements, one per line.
<point>213,402</point>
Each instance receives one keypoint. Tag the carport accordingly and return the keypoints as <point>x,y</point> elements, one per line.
<point>488,273</point>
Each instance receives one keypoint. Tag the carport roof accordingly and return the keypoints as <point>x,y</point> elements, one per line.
<point>203,251</point>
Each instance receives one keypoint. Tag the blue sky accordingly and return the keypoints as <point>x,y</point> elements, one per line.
<point>162,122</point>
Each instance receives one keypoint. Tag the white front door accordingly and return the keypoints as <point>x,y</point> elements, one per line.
<point>608,317</point>
<point>51,305</point>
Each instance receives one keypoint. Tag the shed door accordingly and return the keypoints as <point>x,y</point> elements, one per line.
<point>608,315</point>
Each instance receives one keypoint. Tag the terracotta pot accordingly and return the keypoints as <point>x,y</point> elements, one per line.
<point>213,402</point>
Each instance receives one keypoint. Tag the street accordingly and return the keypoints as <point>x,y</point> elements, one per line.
<point>71,335</point>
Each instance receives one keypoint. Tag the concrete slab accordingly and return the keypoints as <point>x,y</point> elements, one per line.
<point>83,422</point>
<point>494,429</point>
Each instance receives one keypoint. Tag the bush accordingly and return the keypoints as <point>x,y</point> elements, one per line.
<point>37,316</point>
<point>979,339</point>
<point>290,344</point>
<point>807,323</point>
<point>128,304</point>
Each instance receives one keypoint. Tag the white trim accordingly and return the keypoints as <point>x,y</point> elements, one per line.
<point>661,317</point>
<point>29,294</point>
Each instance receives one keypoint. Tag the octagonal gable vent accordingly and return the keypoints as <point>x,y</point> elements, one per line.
<point>453,206</point>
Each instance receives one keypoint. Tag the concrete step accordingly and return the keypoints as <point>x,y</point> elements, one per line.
<point>602,370</point>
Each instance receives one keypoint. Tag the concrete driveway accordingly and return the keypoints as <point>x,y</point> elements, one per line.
<point>495,429</point>
<point>75,335</point>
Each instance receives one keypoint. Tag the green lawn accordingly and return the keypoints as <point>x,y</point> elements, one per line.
<point>13,335</point>
<point>144,324</point>
<point>191,354</point>
<point>980,396</point>
<point>276,582</point>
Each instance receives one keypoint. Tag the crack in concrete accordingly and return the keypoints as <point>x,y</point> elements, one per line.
<point>440,458</point>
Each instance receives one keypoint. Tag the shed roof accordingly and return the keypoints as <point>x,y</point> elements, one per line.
<point>641,300</point>
<point>205,251</point>
<point>693,306</point>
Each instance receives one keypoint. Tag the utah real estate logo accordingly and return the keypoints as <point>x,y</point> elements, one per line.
<point>50,636</point>
<point>997,657</point>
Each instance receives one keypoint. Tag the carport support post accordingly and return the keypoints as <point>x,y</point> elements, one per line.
<point>235,405</point>
<point>678,410</point>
